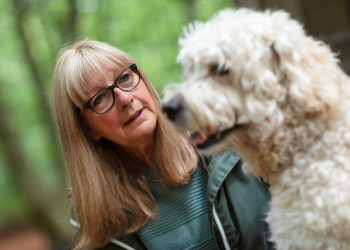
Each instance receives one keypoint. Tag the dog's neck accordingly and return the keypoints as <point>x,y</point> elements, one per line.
<point>299,141</point>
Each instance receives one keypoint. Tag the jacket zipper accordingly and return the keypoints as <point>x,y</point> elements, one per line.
<point>221,229</point>
<point>121,244</point>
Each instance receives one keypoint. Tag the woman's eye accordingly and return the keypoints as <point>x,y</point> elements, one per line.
<point>124,78</point>
<point>99,98</point>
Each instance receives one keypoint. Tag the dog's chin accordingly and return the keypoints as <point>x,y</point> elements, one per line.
<point>215,143</point>
<point>215,149</point>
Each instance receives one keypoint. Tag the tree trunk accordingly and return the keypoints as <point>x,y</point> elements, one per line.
<point>24,179</point>
<point>42,95</point>
<point>253,4</point>
<point>73,14</point>
<point>191,10</point>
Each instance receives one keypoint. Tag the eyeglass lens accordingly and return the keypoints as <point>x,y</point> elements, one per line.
<point>104,100</point>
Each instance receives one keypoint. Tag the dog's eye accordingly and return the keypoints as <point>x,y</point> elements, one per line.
<point>224,72</point>
<point>214,70</point>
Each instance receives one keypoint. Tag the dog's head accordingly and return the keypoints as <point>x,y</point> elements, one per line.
<point>247,73</point>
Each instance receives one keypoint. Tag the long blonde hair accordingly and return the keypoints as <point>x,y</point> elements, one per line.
<point>110,197</point>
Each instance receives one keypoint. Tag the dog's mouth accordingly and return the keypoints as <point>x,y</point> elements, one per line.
<point>207,139</point>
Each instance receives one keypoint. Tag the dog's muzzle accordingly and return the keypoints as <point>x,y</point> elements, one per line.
<point>174,109</point>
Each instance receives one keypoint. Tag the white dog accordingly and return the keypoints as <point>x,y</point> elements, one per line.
<point>255,82</point>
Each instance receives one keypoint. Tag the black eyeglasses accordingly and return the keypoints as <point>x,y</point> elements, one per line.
<point>104,99</point>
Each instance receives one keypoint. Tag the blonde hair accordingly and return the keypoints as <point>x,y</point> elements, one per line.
<point>110,197</point>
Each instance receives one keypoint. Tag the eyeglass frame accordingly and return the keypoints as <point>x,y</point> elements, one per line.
<point>133,67</point>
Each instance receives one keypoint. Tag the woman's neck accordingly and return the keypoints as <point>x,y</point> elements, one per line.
<point>144,153</point>
<point>145,157</point>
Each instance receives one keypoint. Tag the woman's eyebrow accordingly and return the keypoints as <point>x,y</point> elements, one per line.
<point>117,72</point>
<point>96,89</point>
<point>101,84</point>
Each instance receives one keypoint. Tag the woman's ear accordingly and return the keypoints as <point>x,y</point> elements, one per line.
<point>87,130</point>
<point>93,134</point>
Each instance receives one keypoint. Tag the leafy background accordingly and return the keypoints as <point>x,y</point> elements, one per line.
<point>32,179</point>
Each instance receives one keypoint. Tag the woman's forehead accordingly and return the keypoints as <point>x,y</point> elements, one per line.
<point>89,71</point>
<point>104,78</point>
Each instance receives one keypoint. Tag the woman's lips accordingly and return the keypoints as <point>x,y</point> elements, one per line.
<point>134,118</point>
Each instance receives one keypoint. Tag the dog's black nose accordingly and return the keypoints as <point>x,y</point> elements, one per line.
<point>173,108</point>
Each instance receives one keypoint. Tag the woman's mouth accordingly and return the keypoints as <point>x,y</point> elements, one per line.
<point>134,117</point>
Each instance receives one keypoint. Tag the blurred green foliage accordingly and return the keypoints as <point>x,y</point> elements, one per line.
<point>147,30</point>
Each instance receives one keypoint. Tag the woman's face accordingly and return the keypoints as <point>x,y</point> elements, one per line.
<point>119,123</point>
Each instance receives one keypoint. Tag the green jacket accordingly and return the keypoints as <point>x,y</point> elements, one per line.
<point>237,205</point>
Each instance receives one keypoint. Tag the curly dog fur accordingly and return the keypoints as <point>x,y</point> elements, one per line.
<point>254,81</point>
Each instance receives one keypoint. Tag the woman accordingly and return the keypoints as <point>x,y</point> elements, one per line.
<point>135,180</point>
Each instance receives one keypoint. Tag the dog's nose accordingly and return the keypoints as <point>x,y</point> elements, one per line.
<point>173,108</point>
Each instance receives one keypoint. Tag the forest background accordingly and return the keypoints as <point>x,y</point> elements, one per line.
<point>32,177</point>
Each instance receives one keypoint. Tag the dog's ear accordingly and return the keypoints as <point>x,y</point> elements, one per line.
<point>309,72</point>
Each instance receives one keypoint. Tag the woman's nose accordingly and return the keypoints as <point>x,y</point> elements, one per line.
<point>122,98</point>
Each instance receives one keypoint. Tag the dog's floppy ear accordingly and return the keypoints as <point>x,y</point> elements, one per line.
<point>310,73</point>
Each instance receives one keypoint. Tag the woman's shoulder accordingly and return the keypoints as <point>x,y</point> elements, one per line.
<point>227,168</point>
<point>221,162</point>
<point>129,242</point>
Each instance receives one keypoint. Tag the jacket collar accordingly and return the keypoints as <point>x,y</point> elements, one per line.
<point>219,167</point>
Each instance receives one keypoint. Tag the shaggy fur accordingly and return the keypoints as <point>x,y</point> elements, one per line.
<point>257,83</point>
